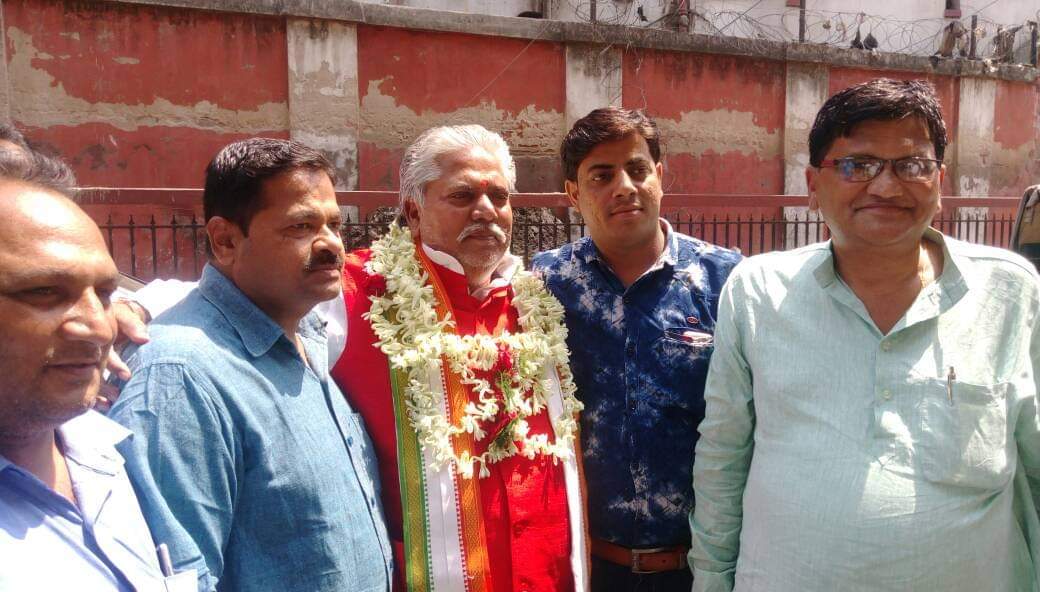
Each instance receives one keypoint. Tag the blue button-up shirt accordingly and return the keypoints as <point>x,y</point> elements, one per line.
<point>256,454</point>
<point>49,543</point>
<point>640,357</point>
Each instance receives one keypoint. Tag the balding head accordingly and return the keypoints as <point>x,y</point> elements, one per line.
<point>56,278</point>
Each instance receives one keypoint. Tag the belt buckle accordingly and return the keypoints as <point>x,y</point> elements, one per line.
<point>637,566</point>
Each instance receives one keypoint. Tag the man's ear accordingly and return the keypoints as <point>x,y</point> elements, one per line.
<point>224,238</point>
<point>810,182</point>
<point>412,213</point>
<point>571,189</point>
<point>942,176</point>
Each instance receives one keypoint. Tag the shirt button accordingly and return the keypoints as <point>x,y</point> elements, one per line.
<point>519,527</point>
<point>886,345</point>
<point>630,349</point>
<point>632,405</point>
<point>886,394</point>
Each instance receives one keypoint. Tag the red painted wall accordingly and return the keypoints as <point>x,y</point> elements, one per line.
<point>1017,128</point>
<point>671,85</point>
<point>429,76</point>
<point>130,86</point>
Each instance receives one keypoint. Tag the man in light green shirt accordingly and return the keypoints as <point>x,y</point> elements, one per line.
<point>871,419</point>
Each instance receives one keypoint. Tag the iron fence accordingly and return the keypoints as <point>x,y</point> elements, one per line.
<point>175,245</point>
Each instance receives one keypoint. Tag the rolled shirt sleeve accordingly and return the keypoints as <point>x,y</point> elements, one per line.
<point>723,452</point>
<point>182,460</point>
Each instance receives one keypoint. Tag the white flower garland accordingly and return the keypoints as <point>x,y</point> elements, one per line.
<point>405,321</point>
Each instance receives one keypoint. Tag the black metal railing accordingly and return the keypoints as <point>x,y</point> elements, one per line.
<point>176,246</point>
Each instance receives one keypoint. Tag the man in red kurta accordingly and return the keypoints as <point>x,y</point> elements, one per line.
<point>518,524</point>
<point>455,184</point>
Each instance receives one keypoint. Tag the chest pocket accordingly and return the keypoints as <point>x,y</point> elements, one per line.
<point>964,443</point>
<point>682,355</point>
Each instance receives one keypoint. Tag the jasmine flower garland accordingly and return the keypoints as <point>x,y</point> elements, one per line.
<point>404,319</point>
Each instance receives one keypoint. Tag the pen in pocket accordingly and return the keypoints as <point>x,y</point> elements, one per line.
<point>165,565</point>
<point>950,377</point>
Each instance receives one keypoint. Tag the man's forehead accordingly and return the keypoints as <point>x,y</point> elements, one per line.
<point>905,132</point>
<point>470,161</point>
<point>630,148</point>
<point>56,257</point>
<point>300,187</point>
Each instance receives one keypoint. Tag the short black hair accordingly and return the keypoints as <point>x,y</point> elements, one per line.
<point>235,177</point>
<point>38,169</point>
<point>882,99</point>
<point>607,124</point>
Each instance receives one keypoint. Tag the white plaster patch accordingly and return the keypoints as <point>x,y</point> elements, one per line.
<point>531,132</point>
<point>323,98</point>
<point>719,131</point>
<point>594,77</point>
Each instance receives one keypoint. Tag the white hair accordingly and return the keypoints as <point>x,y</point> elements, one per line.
<point>420,163</point>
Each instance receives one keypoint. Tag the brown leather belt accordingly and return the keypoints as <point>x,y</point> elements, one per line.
<point>641,560</point>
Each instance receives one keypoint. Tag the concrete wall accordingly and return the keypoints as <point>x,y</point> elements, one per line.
<point>142,93</point>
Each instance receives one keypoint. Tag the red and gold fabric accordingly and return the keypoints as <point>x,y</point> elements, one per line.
<point>522,527</point>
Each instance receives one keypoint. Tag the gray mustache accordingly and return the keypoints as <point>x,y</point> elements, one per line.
<point>492,228</point>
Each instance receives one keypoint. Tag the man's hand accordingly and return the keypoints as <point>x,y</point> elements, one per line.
<point>131,319</point>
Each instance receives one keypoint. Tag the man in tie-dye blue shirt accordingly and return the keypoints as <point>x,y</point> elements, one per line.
<point>640,304</point>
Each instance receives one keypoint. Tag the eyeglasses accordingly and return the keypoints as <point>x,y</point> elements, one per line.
<point>860,169</point>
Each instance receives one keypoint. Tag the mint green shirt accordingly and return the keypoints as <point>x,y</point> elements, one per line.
<point>830,456</point>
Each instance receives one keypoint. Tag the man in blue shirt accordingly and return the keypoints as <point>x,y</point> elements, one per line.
<point>69,519</point>
<point>241,437</point>
<point>640,304</point>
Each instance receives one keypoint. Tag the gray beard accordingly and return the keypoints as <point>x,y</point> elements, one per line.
<point>483,261</point>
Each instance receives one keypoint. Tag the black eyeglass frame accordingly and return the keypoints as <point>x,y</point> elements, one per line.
<point>837,163</point>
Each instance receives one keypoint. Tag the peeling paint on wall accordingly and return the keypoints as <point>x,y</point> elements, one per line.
<point>721,118</point>
<point>323,100</point>
<point>411,81</point>
<point>697,132</point>
<point>386,123</point>
<point>105,156</point>
<point>442,72</point>
<point>141,96</point>
<point>39,99</point>
<point>184,56</point>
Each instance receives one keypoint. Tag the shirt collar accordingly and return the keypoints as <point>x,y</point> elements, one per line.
<point>588,253</point>
<point>89,439</point>
<point>826,274</point>
<point>500,276</point>
<point>257,331</point>
<point>935,298</point>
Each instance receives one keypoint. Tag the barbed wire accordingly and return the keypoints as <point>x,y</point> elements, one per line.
<point>922,36</point>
